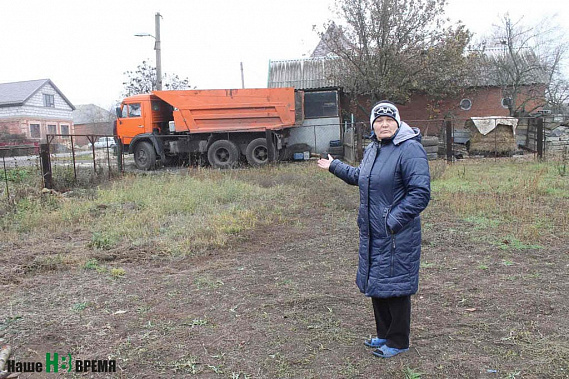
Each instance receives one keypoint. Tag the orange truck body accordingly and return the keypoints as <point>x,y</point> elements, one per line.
<point>172,120</point>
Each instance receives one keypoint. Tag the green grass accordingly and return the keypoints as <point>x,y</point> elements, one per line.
<point>190,212</point>
<point>521,201</point>
<point>177,214</point>
<point>409,373</point>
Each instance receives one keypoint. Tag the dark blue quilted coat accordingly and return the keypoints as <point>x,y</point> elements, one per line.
<point>394,184</point>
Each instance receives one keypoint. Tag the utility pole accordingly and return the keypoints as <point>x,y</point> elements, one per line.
<point>242,77</point>
<point>158,53</point>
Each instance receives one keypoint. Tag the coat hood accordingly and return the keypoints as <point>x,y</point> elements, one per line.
<point>406,132</point>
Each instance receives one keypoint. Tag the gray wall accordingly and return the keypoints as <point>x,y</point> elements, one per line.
<point>316,133</point>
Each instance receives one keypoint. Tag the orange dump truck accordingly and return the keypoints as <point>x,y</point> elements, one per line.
<point>223,125</point>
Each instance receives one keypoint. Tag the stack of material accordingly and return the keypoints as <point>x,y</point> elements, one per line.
<point>460,150</point>
<point>336,149</point>
<point>431,145</point>
<point>492,135</point>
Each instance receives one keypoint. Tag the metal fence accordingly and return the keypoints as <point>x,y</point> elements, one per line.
<point>61,163</point>
<point>20,164</point>
<point>460,138</point>
<point>70,161</point>
<point>66,164</point>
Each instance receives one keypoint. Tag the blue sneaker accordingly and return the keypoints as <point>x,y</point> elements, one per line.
<point>375,342</point>
<point>388,352</point>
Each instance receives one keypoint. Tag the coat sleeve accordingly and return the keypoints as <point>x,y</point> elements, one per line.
<point>345,172</point>
<point>417,181</point>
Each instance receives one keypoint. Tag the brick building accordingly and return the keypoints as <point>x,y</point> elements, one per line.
<point>34,108</point>
<point>91,119</point>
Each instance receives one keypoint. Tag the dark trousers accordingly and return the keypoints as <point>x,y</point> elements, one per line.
<point>393,320</point>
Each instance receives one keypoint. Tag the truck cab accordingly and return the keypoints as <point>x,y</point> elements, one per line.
<point>142,114</point>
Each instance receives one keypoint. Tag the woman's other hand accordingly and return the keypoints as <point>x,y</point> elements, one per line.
<point>325,163</point>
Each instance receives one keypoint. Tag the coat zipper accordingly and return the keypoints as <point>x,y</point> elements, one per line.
<point>368,224</point>
<point>392,254</point>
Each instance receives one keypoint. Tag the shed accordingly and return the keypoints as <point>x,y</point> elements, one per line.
<point>492,135</point>
<point>322,125</point>
<point>557,141</point>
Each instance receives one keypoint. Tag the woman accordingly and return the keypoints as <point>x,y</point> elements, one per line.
<point>394,184</point>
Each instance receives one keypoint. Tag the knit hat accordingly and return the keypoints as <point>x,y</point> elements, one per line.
<point>384,108</point>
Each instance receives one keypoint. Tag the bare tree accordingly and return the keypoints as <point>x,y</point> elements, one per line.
<point>389,48</point>
<point>143,80</point>
<point>526,63</point>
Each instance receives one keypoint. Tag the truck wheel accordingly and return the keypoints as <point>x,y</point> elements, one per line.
<point>257,153</point>
<point>223,154</point>
<point>144,156</point>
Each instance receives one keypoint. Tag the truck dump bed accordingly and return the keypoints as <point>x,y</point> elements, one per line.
<point>255,109</point>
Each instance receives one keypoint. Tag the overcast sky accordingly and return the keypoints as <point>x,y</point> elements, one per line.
<point>85,46</point>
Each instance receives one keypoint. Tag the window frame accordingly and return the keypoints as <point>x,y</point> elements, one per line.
<point>465,108</point>
<point>38,130</point>
<point>48,100</point>
<point>308,105</point>
<point>54,128</point>
<point>506,106</point>
<point>61,126</point>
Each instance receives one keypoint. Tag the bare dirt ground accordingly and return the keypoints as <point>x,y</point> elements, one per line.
<point>280,301</point>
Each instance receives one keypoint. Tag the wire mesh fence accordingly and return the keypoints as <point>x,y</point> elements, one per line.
<point>67,163</point>
<point>21,170</point>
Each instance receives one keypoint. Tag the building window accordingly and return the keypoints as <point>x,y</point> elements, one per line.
<point>320,104</point>
<point>48,100</point>
<point>64,130</point>
<point>52,129</point>
<point>465,104</point>
<point>35,131</point>
<point>506,102</point>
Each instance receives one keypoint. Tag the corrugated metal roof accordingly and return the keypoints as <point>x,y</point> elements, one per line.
<point>308,73</point>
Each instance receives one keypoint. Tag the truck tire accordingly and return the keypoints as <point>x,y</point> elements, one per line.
<point>144,156</point>
<point>223,154</point>
<point>257,153</point>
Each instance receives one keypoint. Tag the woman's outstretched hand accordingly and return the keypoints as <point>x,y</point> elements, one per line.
<point>325,163</point>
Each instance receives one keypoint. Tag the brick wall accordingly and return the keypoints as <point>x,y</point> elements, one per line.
<point>426,114</point>
<point>10,126</point>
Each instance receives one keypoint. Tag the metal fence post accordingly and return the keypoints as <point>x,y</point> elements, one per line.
<point>359,142</point>
<point>6,176</point>
<point>448,132</point>
<point>539,138</point>
<point>46,166</point>
<point>119,150</point>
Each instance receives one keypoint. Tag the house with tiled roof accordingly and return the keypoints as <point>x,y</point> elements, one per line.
<point>34,108</point>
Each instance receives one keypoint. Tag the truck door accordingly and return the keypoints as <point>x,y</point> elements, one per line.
<point>131,123</point>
